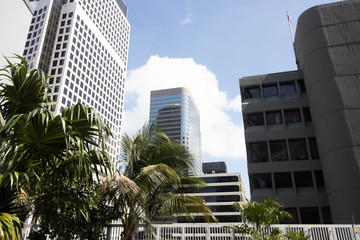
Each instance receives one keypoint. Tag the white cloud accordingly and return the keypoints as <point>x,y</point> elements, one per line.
<point>221,136</point>
<point>188,14</point>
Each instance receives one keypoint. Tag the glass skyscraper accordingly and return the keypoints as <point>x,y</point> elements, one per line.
<point>175,111</point>
<point>83,45</point>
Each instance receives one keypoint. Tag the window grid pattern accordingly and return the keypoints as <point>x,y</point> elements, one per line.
<point>112,23</point>
<point>32,44</point>
<point>82,68</point>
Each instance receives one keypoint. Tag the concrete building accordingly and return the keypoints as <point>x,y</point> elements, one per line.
<point>83,45</point>
<point>302,128</point>
<point>223,189</point>
<point>175,111</point>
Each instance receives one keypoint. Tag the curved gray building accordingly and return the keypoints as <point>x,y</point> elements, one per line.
<point>328,51</point>
<point>302,128</point>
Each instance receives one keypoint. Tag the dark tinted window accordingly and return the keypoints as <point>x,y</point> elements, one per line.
<point>283,180</point>
<point>225,198</point>
<point>303,179</point>
<point>219,189</point>
<point>258,152</point>
<point>256,119</point>
<point>287,88</point>
<point>298,149</point>
<point>301,86</point>
<point>309,215</point>
<point>270,90</point>
<point>278,151</point>
<point>307,115</point>
<point>292,116</point>
<point>273,118</point>
<point>262,181</point>
<point>313,148</point>
<point>220,179</point>
<point>252,92</point>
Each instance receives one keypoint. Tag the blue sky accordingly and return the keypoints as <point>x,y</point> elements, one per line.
<point>207,46</point>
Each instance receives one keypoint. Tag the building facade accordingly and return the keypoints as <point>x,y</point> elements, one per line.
<point>83,45</point>
<point>174,111</point>
<point>302,127</point>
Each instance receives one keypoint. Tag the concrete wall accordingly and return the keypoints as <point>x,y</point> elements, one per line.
<point>327,44</point>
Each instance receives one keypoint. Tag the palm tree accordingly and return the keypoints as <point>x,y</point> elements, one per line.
<point>258,216</point>
<point>160,168</point>
<point>47,162</point>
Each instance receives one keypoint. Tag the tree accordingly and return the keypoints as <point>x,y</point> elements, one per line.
<point>296,235</point>
<point>48,163</point>
<point>160,169</point>
<point>257,218</point>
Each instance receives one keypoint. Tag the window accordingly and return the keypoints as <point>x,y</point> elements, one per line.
<point>319,179</point>
<point>273,118</point>
<point>252,92</point>
<point>283,180</point>
<point>256,119</point>
<point>301,86</point>
<point>262,181</point>
<point>303,179</point>
<point>298,149</point>
<point>313,148</point>
<point>259,152</point>
<point>292,116</point>
<point>307,115</point>
<point>287,88</point>
<point>278,151</point>
<point>270,90</point>
<point>309,215</point>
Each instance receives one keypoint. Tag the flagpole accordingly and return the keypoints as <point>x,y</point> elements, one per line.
<point>292,38</point>
<point>289,21</point>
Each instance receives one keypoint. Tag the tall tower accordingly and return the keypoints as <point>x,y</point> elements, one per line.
<point>175,111</point>
<point>83,45</point>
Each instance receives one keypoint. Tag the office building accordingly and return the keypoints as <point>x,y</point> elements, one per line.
<point>223,189</point>
<point>175,112</point>
<point>83,45</point>
<point>302,128</point>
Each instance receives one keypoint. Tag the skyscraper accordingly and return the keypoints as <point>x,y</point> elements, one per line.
<point>175,111</point>
<point>83,45</point>
<point>302,127</point>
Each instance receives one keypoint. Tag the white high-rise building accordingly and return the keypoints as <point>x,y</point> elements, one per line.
<point>176,113</point>
<point>83,45</point>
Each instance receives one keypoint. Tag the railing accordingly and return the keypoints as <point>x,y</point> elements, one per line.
<point>200,231</point>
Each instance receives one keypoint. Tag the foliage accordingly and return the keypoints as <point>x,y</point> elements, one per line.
<point>296,235</point>
<point>48,165</point>
<point>257,218</point>
<point>161,170</point>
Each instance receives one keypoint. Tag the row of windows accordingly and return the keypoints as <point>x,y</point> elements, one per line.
<point>283,150</point>
<point>213,189</point>
<point>301,179</point>
<point>287,116</point>
<point>220,179</point>
<point>308,215</point>
<point>276,89</point>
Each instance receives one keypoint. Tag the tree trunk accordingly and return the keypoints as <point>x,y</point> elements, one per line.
<point>129,229</point>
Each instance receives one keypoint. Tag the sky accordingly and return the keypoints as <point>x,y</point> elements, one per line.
<point>207,46</point>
